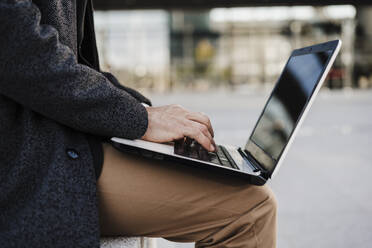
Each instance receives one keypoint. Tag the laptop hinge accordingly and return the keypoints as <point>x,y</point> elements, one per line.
<point>256,166</point>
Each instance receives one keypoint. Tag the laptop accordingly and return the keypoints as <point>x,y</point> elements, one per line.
<point>260,159</point>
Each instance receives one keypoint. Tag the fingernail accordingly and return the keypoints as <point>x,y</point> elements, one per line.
<point>212,147</point>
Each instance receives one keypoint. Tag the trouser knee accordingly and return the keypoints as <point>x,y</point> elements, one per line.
<point>261,197</point>
<point>270,201</point>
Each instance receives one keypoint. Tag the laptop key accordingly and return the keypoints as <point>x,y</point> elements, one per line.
<point>193,148</point>
<point>225,162</point>
<point>229,158</point>
<point>190,148</point>
<point>220,153</point>
<point>213,158</point>
<point>203,154</point>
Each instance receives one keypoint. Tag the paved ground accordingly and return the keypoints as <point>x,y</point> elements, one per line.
<point>324,188</point>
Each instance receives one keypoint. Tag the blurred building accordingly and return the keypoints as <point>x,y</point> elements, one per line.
<point>135,46</point>
<point>363,48</point>
<point>230,47</point>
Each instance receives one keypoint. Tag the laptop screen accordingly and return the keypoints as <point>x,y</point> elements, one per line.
<point>285,106</point>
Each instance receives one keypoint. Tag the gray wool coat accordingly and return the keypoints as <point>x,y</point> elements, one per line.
<point>53,99</point>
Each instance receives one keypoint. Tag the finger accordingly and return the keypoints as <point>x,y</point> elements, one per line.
<point>204,129</point>
<point>201,118</point>
<point>206,132</point>
<point>195,131</point>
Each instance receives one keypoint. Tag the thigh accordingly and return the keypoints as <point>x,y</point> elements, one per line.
<point>142,197</point>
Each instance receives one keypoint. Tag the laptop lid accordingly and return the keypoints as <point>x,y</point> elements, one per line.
<point>289,102</point>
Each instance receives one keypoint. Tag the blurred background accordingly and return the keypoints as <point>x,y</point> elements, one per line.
<point>224,57</point>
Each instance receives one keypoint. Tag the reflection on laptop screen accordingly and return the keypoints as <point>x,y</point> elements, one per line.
<point>285,106</point>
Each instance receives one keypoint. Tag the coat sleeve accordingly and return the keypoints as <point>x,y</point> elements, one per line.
<point>42,74</point>
<point>131,91</point>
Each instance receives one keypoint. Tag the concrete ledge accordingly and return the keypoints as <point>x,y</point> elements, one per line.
<point>122,242</point>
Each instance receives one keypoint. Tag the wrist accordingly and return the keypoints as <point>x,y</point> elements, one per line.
<point>147,108</point>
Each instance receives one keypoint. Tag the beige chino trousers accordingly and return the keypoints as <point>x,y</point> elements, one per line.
<point>142,197</point>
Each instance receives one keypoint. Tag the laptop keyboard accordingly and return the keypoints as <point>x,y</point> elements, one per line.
<point>190,148</point>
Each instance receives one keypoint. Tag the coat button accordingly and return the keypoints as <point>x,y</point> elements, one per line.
<point>73,154</point>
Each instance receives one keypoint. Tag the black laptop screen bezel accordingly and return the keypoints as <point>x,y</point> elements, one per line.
<point>257,153</point>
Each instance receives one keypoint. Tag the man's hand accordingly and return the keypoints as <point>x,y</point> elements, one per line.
<point>172,122</point>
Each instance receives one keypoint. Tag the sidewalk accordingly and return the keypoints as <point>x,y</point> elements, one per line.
<point>324,187</point>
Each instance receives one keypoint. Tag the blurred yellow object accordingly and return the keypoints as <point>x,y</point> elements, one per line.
<point>204,51</point>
